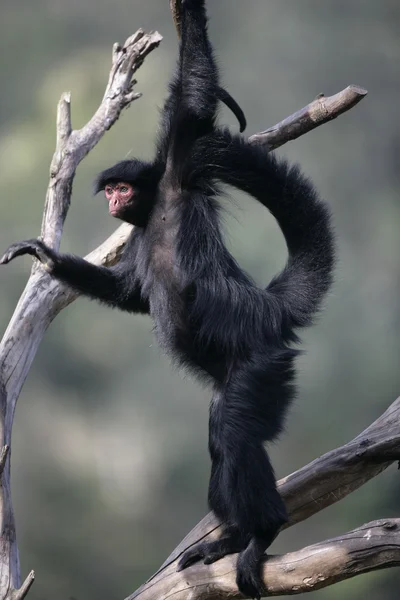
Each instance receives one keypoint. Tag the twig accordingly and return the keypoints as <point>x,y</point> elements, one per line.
<point>24,589</point>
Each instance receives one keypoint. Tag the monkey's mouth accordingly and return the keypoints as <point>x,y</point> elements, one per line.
<point>117,206</point>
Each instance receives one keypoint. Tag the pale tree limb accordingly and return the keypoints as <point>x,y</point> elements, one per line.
<point>43,297</point>
<point>373,546</point>
<point>318,112</point>
<point>306,492</point>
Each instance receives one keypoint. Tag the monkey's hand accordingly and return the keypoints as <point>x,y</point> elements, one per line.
<point>35,248</point>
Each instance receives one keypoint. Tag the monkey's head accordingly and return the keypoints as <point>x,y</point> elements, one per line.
<point>130,188</point>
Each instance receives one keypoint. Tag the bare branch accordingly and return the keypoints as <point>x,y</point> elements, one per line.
<point>43,297</point>
<point>373,546</point>
<point>319,484</point>
<point>318,112</point>
<point>73,146</point>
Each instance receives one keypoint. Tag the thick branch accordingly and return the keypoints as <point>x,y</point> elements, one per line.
<point>373,546</point>
<point>319,484</point>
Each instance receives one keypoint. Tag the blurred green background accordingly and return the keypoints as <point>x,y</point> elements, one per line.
<point>110,464</point>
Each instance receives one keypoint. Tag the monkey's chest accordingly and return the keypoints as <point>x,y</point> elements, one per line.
<point>164,282</point>
<point>163,235</point>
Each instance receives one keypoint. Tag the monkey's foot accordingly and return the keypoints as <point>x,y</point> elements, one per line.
<point>249,569</point>
<point>209,552</point>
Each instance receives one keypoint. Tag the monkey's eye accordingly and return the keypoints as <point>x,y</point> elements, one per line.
<point>108,190</point>
<point>124,189</point>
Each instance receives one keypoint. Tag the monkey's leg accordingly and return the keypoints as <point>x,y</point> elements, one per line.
<point>249,412</point>
<point>231,541</point>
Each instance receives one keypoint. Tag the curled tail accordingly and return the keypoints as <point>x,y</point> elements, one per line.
<point>306,224</point>
<point>303,218</point>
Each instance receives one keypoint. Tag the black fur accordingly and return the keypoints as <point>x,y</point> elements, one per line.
<point>209,315</point>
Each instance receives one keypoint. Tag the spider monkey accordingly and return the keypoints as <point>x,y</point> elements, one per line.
<point>208,313</point>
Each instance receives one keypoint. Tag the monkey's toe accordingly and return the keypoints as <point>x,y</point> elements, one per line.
<point>250,583</point>
<point>192,556</point>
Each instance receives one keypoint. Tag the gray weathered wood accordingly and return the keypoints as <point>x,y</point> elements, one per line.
<point>43,298</point>
<point>373,546</point>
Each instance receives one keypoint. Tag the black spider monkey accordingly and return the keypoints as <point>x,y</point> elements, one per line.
<point>208,314</point>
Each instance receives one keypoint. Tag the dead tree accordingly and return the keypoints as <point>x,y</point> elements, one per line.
<point>325,481</point>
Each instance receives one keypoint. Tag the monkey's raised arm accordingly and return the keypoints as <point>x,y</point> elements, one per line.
<point>191,107</point>
<point>222,94</point>
<point>109,285</point>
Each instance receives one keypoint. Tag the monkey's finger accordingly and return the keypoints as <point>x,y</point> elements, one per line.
<point>32,247</point>
<point>12,252</point>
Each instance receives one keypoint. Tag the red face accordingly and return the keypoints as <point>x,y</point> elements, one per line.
<point>119,196</point>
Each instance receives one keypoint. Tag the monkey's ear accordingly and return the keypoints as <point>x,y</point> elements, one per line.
<point>99,184</point>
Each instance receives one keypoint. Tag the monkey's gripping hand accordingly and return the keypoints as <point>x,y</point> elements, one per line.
<point>35,248</point>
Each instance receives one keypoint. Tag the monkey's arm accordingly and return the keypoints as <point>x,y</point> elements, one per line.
<point>191,107</point>
<point>222,93</point>
<point>108,285</point>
